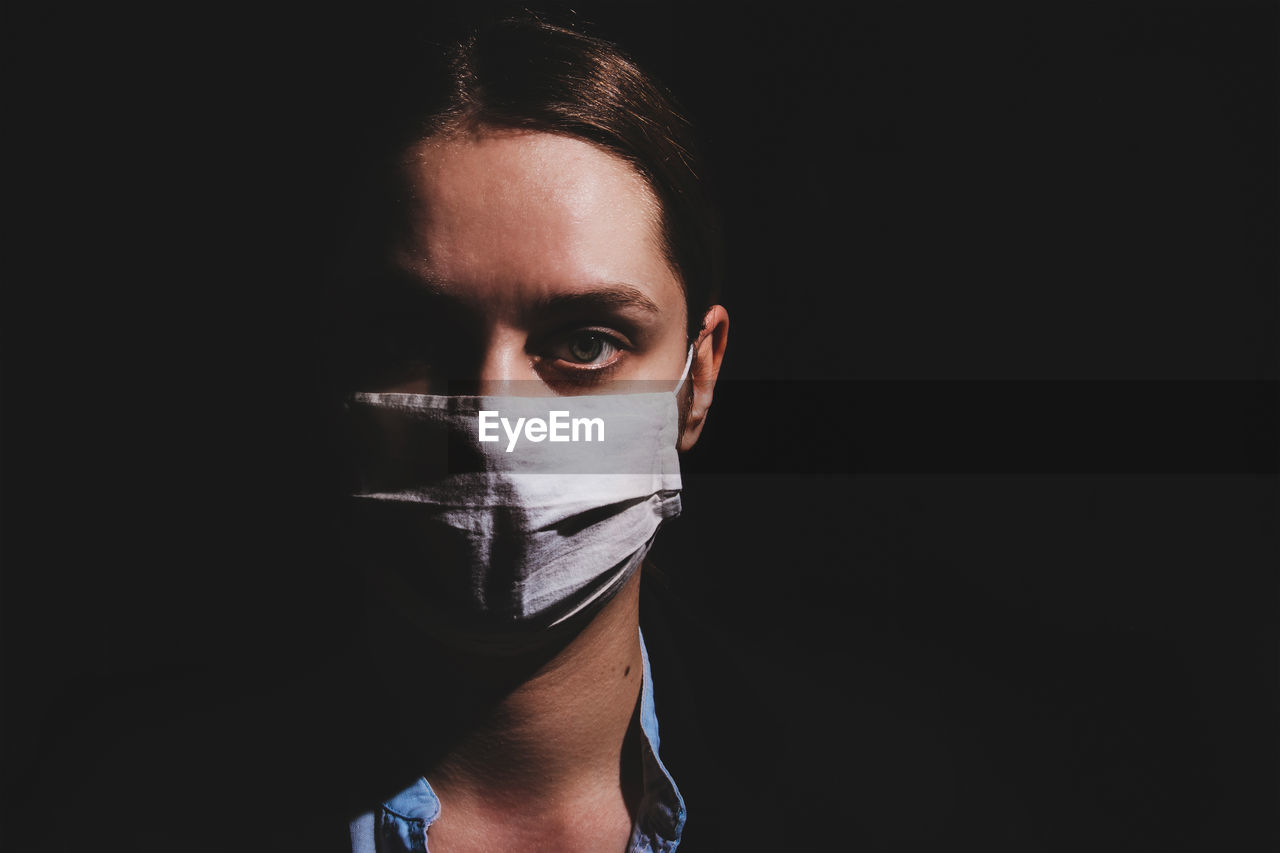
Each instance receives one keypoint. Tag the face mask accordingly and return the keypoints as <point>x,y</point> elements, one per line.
<point>501,515</point>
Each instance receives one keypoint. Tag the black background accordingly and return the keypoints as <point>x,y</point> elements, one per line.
<point>987,500</point>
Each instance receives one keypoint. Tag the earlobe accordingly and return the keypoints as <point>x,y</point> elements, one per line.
<point>708,353</point>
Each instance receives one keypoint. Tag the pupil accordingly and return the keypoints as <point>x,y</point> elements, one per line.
<point>587,348</point>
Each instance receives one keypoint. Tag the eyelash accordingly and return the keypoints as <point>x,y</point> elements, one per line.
<point>585,372</point>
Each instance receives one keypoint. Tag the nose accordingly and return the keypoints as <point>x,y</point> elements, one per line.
<point>500,366</point>
<point>500,362</point>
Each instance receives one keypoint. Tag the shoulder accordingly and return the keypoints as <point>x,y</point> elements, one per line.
<point>194,766</point>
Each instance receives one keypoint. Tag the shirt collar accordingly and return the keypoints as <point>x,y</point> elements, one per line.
<point>662,812</point>
<point>405,817</point>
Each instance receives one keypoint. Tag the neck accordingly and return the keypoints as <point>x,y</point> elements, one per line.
<point>560,731</point>
<point>531,730</point>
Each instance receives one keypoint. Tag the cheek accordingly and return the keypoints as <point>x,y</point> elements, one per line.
<point>669,353</point>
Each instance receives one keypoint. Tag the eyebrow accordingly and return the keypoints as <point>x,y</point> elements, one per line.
<point>612,296</point>
<point>601,297</point>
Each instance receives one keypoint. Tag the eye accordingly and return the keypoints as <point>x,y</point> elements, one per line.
<point>588,347</point>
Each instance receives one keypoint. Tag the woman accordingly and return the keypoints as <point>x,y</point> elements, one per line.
<point>546,237</point>
<point>534,241</point>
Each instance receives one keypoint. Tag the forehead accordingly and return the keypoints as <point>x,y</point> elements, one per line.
<point>521,208</point>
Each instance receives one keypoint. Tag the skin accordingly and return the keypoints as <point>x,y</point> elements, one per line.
<point>542,254</point>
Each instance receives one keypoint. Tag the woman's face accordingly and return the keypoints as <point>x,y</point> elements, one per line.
<point>539,260</point>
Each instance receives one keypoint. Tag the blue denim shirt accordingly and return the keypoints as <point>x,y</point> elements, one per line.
<point>401,823</point>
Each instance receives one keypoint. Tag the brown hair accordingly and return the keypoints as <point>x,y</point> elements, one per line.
<point>529,74</point>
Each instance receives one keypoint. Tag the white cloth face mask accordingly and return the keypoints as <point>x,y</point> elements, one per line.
<point>517,519</point>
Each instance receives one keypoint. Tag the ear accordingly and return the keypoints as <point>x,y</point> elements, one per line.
<point>708,352</point>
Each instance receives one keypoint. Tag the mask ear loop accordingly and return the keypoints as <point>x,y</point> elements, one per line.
<point>685,373</point>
